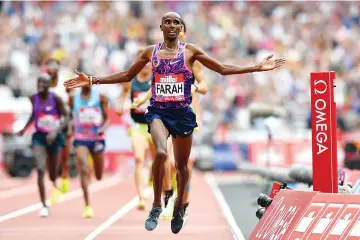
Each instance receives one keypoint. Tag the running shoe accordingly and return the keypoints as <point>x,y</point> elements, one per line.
<point>152,221</point>
<point>55,196</point>
<point>178,219</point>
<point>88,212</point>
<point>65,185</point>
<point>44,212</point>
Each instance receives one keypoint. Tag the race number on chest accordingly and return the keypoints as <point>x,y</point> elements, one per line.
<point>90,116</point>
<point>169,88</point>
<point>48,122</point>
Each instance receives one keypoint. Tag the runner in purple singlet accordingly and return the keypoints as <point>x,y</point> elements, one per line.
<point>51,118</point>
<point>169,112</point>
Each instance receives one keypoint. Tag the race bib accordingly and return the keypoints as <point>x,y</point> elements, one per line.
<point>169,88</point>
<point>138,96</point>
<point>90,117</point>
<point>48,122</point>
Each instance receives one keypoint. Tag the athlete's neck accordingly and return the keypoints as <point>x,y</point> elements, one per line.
<point>171,44</point>
<point>43,95</point>
<point>85,93</point>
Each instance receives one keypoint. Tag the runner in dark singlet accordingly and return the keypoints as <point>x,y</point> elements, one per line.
<point>169,112</point>
<point>50,119</point>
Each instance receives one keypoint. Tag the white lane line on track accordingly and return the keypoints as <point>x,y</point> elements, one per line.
<point>119,214</point>
<point>211,181</point>
<point>98,186</point>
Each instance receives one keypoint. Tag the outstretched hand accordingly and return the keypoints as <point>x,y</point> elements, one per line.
<point>270,64</point>
<point>80,81</point>
<point>137,103</point>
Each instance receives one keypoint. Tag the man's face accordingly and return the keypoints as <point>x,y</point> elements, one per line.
<point>43,85</point>
<point>171,27</point>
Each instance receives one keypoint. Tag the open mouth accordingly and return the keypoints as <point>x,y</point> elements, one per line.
<point>172,32</point>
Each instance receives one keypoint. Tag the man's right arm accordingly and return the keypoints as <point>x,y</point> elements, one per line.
<point>126,76</point>
<point>133,70</point>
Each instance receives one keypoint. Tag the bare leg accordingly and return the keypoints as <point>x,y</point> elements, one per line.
<point>182,149</point>
<point>159,136</point>
<point>82,154</point>
<point>168,166</point>
<point>187,187</point>
<point>65,156</point>
<point>40,156</point>
<point>98,163</point>
<point>53,167</point>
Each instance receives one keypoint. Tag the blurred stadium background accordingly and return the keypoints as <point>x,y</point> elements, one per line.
<point>241,113</point>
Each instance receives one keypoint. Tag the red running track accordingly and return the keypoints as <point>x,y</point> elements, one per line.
<point>113,200</point>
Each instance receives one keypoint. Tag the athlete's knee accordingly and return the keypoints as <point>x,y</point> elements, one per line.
<point>82,166</point>
<point>139,161</point>
<point>83,170</point>
<point>182,167</point>
<point>161,156</point>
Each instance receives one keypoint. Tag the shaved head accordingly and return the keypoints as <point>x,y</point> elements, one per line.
<point>170,14</point>
<point>171,25</point>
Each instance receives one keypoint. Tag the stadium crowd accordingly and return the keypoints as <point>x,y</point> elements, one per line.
<point>102,37</point>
